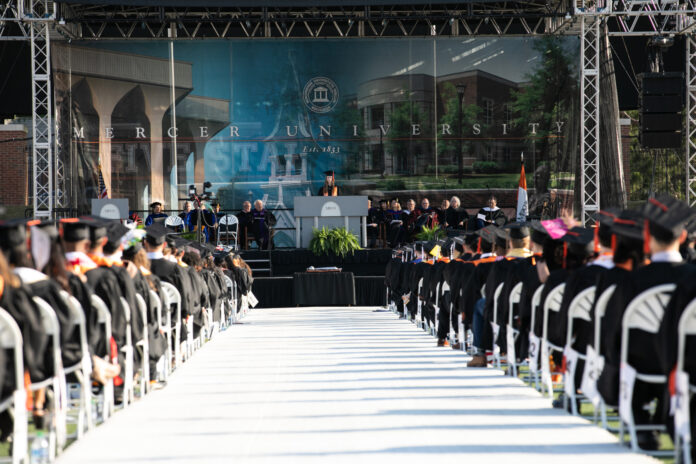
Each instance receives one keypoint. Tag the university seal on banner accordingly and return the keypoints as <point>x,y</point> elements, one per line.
<point>320,94</point>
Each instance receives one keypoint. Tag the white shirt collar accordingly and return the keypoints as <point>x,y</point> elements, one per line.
<point>606,261</point>
<point>488,208</point>
<point>666,257</point>
<point>485,255</point>
<point>72,256</point>
<point>155,255</point>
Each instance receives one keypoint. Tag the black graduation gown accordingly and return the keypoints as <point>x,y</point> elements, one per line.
<point>174,274</point>
<point>106,286</point>
<point>320,192</point>
<point>454,216</point>
<point>530,283</point>
<point>642,352</point>
<point>375,216</point>
<point>497,217</point>
<point>83,293</point>
<point>157,344</point>
<point>471,292</point>
<point>461,274</point>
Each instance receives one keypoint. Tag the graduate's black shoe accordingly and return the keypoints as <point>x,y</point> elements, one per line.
<point>456,346</point>
<point>442,342</point>
<point>647,440</point>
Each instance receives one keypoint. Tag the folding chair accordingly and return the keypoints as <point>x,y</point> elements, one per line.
<point>595,362</point>
<point>229,221</point>
<point>174,223</point>
<point>511,333</point>
<point>435,325</point>
<point>11,339</point>
<point>144,347</point>
<point>644,312</point>
<point>173,297</point>
<point>81,370</point>
<point>232,300</point>
<point>534,341</point>
<point>53,384</point>
<point>685,389</point>
<point>419,309</point>
<point>552,303</point>
<point>580,308</point>
<point>166,366</point>
<point>107,395</point>
<point>495,326</point>
<point>128,387</point>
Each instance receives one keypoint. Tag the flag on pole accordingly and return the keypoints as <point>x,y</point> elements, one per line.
<point>522,204</point>
<point>103,192</point>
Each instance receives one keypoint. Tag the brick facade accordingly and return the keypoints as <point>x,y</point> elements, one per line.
<point>14,171</point>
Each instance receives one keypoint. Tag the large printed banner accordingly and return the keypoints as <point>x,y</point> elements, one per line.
<point>143,120</point>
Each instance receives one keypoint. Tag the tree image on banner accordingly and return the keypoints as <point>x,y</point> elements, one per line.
<point>407,148</point>
<point>448,145</point>
<point>551,95</point>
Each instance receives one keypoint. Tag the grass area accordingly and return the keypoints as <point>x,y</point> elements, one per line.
<point>588,410</point>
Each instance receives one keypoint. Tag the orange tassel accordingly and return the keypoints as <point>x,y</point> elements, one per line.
<point>613,243</point>
<point>646,238</point>
<point>478,246</point>
<point>596,239</point>
<point>30,398</point>
<point>565,253</point>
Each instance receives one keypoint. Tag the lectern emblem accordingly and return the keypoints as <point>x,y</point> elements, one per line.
<point>320,94</point>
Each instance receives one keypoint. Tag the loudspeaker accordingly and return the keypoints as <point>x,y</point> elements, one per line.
<point>661,105</point>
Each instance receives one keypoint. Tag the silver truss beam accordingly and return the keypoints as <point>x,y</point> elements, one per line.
<point>690,142</point>
<point>589,122</point>
<point>39,16</point>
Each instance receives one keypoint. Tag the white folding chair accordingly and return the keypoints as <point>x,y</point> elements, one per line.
<point>81,370</point>
<point>11,340</point>
<point>434,326</point>
<point>231,302</point>
<point>685,389</point>
<point>552,303</point>
<point>104,319</point>
<point>174,223</point>
<point>173,298</point>
<point>128,387</point>
<point>534,341</point>
<point>419,309</point>
<point>645,313</point>
<point>144,346</point>
<point>165,367</point>
<point>229,221</point>
<point>54,384</point>
<point>495,327</point>
<point>580,308</point>
<point>511,333</point>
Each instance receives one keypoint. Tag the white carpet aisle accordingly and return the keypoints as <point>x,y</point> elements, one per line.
<point>335,385</point>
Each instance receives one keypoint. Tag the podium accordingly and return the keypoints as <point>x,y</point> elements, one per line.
<point>330,212</point>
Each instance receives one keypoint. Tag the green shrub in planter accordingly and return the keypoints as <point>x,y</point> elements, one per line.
<point>339,241</point>
<point>427,234</point>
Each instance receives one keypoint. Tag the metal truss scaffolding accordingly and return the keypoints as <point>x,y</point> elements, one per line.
<point>690,142</point>
<point>589,122</point>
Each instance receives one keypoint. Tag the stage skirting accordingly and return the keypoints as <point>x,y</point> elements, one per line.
<point>278,292</point>
<point>285,263</point>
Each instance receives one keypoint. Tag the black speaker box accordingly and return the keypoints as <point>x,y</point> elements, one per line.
<point>661,139</point>
<point>661,122</point>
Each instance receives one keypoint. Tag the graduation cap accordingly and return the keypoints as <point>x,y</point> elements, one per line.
<point>487,233</point>
<point>383,200</point>
<point>605,219</point>
<point>396,199</point>
<point>629,223</point>
<point>97,227</point>
<point>49,228</point>
<point>155,203</point>
<point>13,233</point>
<point>578,237</point>
<point>115,231</point>
<point>459,244</point>
<point>517,230</point>
<point>501,237</point>
<point>539,233</point>
<point>428,247</point>
<point>471,238</point>
<point>667,217</point>
<point>74,230</point>
<point>156,234</point>
<point>330,173</point>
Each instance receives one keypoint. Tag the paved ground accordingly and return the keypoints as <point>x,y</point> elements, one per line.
<point>336,385</point>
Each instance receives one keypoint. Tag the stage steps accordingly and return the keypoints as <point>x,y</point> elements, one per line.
<point>259,261</point>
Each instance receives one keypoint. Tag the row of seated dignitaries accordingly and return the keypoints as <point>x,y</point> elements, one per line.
<point>81,257</point>
<point>469,279</point>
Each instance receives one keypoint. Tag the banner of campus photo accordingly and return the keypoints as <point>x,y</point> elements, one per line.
<point>401,118</point>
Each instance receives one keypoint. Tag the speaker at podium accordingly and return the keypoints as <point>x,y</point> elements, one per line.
<point>330,212</point>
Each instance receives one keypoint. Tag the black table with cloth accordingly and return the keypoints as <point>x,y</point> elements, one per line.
<point>324,288</point>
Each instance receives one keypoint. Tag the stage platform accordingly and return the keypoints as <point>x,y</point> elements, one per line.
<point>274,288</point>
<point>341,385</point>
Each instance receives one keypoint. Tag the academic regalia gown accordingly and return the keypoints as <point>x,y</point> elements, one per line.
<point>83,293</point>
<point>496,216</point>
<point>174,274</point>
<point>454,216</point>
<point>105,285</point>
<point>643,348</point>
<point>333,192</point>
